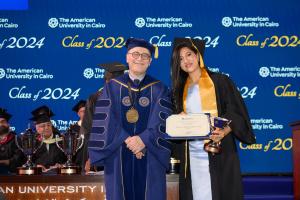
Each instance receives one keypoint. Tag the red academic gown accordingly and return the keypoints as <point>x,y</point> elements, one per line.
<point>10,151</point>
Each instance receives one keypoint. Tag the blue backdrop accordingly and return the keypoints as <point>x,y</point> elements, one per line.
<point>50,51</point>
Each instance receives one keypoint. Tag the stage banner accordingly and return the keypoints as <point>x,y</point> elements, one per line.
<point>50,52</point>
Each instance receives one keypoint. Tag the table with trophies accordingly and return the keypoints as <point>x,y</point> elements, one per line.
<point>29,142</point>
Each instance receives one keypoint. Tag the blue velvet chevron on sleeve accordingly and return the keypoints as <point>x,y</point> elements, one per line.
<point>154,135</point>
<point>107,134</point>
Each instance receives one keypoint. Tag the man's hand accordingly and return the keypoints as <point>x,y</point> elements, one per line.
<point>135,144</point>
<point>139,155</point>
<point>4,162</point>
<point>44,169</point>
<point>87,166</point>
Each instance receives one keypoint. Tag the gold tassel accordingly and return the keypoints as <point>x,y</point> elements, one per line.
<point>201,60</point>
<point>155,51</point>
<point>199,54</point>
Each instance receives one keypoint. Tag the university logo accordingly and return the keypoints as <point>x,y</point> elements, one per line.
<point>264,72</point>
<point>88,73</point>
<point>140,22</point>
<point>226,21</point>
<point>2,73</point>
<point>53,123</point>
<point>53,22</point>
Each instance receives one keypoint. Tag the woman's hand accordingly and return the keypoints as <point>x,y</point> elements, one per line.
<point>218,134</point>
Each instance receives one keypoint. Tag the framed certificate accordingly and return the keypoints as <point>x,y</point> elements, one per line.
<point>189,126</point>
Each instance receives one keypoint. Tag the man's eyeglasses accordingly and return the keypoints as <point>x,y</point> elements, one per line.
<point>136,55</point>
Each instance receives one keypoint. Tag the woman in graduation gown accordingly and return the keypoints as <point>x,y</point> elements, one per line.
<point>197,90</point>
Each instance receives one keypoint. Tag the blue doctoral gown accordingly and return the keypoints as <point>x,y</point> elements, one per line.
<point>125,176</point>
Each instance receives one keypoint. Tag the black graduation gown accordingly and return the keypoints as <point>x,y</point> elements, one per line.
<point>10,151</point>
<point>226,181</point>
<point>86,126</point>
<point>50,157</point>
<point>78,157</point>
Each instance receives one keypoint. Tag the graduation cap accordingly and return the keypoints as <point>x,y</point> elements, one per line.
<point>199,46</point>
<point>79,105</point>
<point>113,69</point>
<point>41,114</point>
<point>137,42</point>
<point>4,114</point>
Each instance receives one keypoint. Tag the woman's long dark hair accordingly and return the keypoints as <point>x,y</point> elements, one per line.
<point>178,76</point>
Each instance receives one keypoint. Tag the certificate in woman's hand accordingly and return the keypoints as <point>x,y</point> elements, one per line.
<point>189,126</point>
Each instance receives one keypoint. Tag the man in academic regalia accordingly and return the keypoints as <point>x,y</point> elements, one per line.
<point>112,70</point>
<point>79,109</point>
<point>128,130</point>
<point>49,154</point>
<point>10,156</point>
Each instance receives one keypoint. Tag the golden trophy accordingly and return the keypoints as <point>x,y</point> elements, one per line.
<point>70,142</point>
<point>28,143</point>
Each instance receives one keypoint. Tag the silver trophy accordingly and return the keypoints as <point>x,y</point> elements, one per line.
<point>69,143</point>
<point>215,147</point>
<point>28,143</point>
